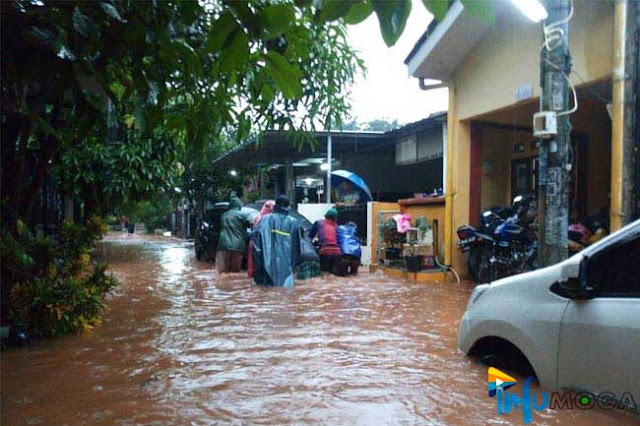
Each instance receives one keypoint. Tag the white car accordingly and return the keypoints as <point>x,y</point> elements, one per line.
<point>577,323</point>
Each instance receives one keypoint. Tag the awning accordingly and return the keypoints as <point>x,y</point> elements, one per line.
<point>279,148</point>
<point>441,49</point>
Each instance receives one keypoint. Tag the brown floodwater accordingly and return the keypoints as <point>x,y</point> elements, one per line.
<point>182,345</point>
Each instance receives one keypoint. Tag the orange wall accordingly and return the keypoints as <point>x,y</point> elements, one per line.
<point>376,208</point>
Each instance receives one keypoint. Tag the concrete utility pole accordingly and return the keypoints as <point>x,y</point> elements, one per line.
<point>553,196</point>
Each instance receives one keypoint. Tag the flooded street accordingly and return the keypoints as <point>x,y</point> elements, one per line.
<point>182,345</point>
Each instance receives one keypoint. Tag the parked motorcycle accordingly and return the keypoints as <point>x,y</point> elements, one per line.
<point>505,244</point>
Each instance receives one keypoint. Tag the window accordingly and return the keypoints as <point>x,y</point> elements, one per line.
<point>616,272</point>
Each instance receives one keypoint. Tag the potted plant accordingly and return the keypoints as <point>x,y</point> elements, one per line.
<point>425,233</point>
<point>392,239</point>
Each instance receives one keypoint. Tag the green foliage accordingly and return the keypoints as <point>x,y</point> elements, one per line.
<point>114,92</point>
<point>391,236</point>
<point>438,8</point>
<point>482,10</point>
<point>154,213</point>
<point>392,16</point>
<point>377,125</point>
<point>54,286</point>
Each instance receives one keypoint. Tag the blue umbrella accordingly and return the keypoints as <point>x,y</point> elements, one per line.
<point>342,175</point>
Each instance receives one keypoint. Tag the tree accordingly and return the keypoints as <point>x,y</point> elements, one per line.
<point>170,72</point>
<point>381,125</point>
<point>377,125</point>
<point>161,75</point>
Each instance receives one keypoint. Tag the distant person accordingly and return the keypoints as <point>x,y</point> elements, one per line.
<point>233,235</point>
<point>347,193</point>
<point>276,244</point>
<point>267,208</point>
<point>327,232</point>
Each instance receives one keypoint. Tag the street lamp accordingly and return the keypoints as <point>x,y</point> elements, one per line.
<point>532,9</point>
<point>233,173</point>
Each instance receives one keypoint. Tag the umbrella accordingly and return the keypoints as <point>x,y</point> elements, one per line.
<point>342,175</point>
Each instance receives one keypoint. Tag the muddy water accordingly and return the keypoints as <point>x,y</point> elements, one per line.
<point>182,345</point>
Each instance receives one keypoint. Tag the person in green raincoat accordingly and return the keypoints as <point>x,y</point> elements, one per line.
<point>276,245</point>
<point>233,235</point>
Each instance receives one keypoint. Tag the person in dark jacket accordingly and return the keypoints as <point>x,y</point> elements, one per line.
<point>233,235</point>
<point>276,245</point>
<point>327,232</point>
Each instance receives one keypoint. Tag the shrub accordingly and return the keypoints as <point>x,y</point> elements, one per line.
<point>55,288</point>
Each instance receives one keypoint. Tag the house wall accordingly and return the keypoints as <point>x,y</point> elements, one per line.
<point>381,173</point>
<point>373,210</point>
<point>508,56</point>
<point>485,82</point>
<point>461,167</point>
<point>496,166</point>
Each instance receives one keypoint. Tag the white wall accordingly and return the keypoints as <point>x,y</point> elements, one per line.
<point>314,212</point>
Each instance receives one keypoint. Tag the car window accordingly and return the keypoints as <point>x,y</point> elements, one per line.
<point>616,271</point>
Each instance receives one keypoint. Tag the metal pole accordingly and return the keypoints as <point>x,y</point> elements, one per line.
<point>290,183</point>
<point>553,196</point>
<point>329,156</point>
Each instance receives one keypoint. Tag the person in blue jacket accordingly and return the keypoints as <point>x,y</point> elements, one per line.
<point>276,245</point>
<point>350,248</point>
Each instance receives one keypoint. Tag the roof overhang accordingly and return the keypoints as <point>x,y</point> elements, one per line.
<point>279,148</point>
<point>438,54</point>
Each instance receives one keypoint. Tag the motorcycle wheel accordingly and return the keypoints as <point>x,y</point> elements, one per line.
<point>479,266</point>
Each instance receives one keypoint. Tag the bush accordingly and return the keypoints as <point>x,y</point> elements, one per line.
<point>54,287</point>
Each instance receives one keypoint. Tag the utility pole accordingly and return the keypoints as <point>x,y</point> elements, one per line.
<point>554,164</point>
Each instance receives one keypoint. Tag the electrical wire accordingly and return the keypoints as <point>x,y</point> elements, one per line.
<point>552,34</point>
<point>447,268</point>
<point>593,92</point>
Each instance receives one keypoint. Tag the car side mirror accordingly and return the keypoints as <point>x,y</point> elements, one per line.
<point>574,282</point>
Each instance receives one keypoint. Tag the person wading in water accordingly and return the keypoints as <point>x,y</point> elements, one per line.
<point>276,244</point>
<point>233,234</point>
